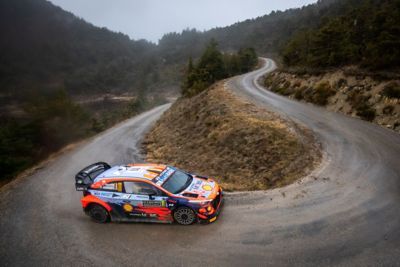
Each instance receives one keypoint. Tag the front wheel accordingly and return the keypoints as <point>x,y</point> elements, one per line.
<point>99,214</point>
<point>184,215</point>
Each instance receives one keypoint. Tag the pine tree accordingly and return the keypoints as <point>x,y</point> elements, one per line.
<point>190,78</point>
<point>211,64</point>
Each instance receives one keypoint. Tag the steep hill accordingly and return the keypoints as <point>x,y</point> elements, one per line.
<point>267,34</point>
<point>46,48</point>
<point>244,147</point>
<point>58,80</point>
<point>367,35</point>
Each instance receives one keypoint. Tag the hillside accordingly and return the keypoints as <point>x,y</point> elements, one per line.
<point>362,96</point>
<point>244,147</point>
<point>349,64</point>
<point>367,36</point>
<point>267,34</point>
<point>60,77</point>
<point>48,48</point>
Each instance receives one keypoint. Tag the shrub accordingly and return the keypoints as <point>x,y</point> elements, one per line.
<point>366,112</point>
<point>392,90</point>
<point>284,89</point>
<point>298,94</point>
<point>268,81</point>
<point>387,110</point>
<point>356,99</point>
<point>322,93</point>
<point>340,83</point>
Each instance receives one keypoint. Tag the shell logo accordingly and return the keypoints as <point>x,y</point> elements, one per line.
<point>207,187</point>
<point>127,207</point>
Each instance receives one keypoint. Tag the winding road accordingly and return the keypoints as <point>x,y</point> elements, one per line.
<point>346,213</point>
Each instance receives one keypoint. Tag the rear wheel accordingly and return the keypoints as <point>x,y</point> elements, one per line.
<point>184,215</point>
<point>99,214</point>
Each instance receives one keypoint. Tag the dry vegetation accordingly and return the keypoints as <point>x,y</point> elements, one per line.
<point>374,99</point>
<point>241,146</point>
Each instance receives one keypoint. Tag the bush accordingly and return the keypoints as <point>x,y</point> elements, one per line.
<point>340,83</point>
<point>298,94</point>
<point>18,146</point>
<point>322,93</point>
<point>356,99</point>
<point>366,112</point>
<point>387,110</point>
<point>392,90</point>
<point>360,103</point>
<point>268,81</point>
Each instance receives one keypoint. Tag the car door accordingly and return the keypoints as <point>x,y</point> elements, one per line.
<point>140,206</point>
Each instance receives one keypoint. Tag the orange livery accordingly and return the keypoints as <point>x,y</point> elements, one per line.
<point>147,193</point>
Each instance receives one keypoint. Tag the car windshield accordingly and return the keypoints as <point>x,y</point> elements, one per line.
<point>177,182</point>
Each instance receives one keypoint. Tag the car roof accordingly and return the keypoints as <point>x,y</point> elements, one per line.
<point>142,171</point>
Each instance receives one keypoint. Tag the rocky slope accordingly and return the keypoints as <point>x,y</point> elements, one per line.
<point>369,98</point>
<point>243,147</point>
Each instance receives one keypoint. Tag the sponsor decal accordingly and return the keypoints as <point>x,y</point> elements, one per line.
<point>154,203</point>
<point>171,203</point>
<point>213,219</point>
<point>196,185</point>
<point>127,207</point>
<point>132,169</point>
<point>139,214</point>
<point>91,169</point>
<point>105,194</point>
<point>151,215</point>
<point>163,176</point>
<point>207,187</point>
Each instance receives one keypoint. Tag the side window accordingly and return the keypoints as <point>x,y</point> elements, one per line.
<point>116,186</point>
<point>137,187</point>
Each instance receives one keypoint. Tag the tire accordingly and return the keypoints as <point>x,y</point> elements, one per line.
<point>99,214</point>
<point>184,216</point>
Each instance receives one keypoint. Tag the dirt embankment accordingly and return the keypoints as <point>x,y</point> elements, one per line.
<point>375,100</point>
<point>243,147</point>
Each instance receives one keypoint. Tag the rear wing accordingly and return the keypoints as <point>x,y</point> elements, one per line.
<point>86,176</point>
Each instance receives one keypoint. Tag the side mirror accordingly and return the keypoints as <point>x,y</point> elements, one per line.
<point>148,191</point>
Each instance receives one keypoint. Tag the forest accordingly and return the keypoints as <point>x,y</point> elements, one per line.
<point>213,65</point>
<point>50,60</point>
<point>367,36</point>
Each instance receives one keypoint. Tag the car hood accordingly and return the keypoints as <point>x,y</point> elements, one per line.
<point>201,188</point>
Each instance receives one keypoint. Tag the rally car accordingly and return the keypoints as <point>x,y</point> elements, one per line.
<point>147,193</point>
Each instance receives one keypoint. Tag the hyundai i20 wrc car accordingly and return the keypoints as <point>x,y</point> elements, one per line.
<point>147,193</point>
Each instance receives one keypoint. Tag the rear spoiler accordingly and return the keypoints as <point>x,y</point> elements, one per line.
<point>86,176</point>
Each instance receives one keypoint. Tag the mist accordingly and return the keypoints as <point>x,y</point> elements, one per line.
<point>151,19</point>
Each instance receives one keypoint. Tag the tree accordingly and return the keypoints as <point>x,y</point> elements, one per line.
<point>190,77</point>
<point>211,64</point>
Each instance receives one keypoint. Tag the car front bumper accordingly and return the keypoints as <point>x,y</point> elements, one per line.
<point>217,203</point>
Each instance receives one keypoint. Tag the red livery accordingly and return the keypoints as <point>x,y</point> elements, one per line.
<point>147,193</point>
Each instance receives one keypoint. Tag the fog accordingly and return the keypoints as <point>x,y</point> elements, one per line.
<point>150,19</point>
